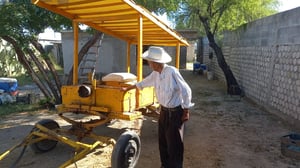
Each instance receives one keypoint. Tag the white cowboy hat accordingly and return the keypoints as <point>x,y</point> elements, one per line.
<point>157,54</point>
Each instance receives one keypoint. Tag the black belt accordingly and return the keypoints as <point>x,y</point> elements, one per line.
<point>171,109</point>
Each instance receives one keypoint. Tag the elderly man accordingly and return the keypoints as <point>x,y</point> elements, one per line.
<point>174,96</point>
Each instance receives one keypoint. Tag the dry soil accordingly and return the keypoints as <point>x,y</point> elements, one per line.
<point>222,132</point>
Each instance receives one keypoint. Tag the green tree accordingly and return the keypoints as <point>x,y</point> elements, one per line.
<point>21,23</point>
<point>8,61</point>
<point>211,18</point>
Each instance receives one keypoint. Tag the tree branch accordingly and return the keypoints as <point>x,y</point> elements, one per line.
<point>44,75</point>
<point>84,50</point>
<point>50,65</point>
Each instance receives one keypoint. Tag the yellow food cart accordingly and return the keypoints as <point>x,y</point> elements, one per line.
<point>105,100</point>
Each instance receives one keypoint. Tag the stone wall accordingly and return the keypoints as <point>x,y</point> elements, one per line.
<point>265,58</point>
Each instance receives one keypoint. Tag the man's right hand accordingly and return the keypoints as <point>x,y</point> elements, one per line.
<point>128,88</point>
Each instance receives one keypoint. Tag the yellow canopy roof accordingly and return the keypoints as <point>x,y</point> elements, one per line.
<point>118,18</point>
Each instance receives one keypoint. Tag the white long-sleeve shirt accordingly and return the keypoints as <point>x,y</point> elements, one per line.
<point>170,88</point>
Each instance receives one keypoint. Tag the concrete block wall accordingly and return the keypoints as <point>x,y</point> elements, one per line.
<point>112,58</point>
<point>286,81</point>
<point>265,59</point>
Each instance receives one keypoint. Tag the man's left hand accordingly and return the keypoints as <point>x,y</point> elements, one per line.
<point>185,115</point>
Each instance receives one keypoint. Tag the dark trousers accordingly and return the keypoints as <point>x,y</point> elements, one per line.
<point>170,135</point>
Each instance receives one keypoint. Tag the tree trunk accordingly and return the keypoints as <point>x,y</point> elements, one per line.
<point>27,66</point>
<point>84,50</point>
<point>232,86</point>
<point>55,90</point>
<point>44,75</point>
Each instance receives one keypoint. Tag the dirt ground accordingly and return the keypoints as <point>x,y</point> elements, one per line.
<point>222,133</point>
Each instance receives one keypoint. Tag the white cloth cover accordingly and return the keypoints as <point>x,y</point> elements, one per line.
<point>119,77</point>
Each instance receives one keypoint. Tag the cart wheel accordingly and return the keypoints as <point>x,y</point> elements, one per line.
<point>126,151</point>
<point>44,145</point>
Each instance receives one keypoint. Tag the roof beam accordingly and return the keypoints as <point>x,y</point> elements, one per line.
<point>156,21</point>
<point>52,8</point>
<point>105,18</point>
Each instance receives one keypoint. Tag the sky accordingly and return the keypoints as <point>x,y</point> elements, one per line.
<point>288,4</point>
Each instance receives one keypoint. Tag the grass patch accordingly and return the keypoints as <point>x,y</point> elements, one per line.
<point>23,79</point>
<point>6,109</point>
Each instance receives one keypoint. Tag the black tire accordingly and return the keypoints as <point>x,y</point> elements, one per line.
<point>47,144</point>
<point>126,151</point>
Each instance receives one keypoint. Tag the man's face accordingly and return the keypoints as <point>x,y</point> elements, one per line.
<point>153,65</point>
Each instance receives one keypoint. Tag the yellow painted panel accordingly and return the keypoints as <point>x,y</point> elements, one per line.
<point>81,108</point>
<point>147,96</point>
<point>115,99</point>
<point>127,115</point>
<point>107,99</point>
<point>70,96</point>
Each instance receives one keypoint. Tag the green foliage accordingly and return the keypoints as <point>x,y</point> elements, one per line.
<point>24,21</point>
<point>23,79</point>
<point>158,6</point>
<point>221,14</point>
<point>245,11</point>
<point>57,67</point>
<point>9,64</point>
<point>6,109</point>
<point>47,103</point>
